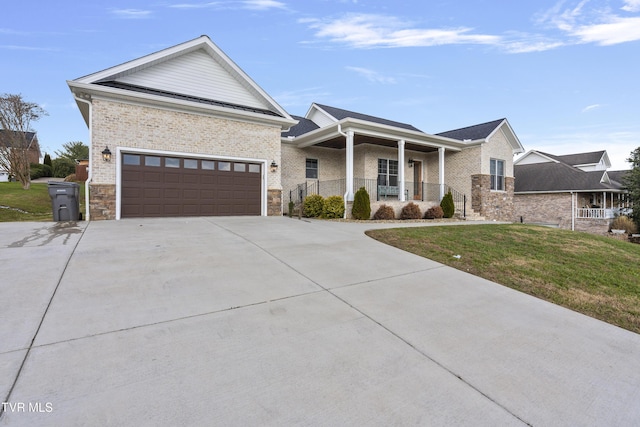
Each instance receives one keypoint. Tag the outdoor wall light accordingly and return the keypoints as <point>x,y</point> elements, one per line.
<point>106,154</point>
<point>411,163</point>
<point>274,166</point>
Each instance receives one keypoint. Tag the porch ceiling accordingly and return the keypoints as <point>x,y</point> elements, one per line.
<point>340,143</point>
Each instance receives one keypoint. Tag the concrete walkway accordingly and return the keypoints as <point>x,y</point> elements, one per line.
<point>277,321</point>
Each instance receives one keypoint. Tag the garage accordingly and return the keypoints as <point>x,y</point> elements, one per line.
<point>163,186</point>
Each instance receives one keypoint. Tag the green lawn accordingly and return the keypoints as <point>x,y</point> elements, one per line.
<point>33,204</point>
<point>595,275</point>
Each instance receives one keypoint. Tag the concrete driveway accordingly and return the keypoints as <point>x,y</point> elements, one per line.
<point>277,321</point>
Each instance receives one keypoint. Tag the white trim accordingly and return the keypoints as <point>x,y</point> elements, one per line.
<point>121,150</point>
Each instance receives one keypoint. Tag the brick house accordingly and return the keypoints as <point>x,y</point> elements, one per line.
<point>30,145</point>
<point>332,151</point>
<point>575,191</point>
<point>190,133</point>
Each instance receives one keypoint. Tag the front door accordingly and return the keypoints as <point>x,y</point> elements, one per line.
<point>417,180</point>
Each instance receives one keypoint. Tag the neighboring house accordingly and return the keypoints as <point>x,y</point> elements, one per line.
<point>31,146</point>
<point>191,134</point>
<point>574,191</point>
<point>334,152</point>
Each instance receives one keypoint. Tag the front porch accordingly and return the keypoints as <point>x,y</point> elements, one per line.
<point>423,193</point>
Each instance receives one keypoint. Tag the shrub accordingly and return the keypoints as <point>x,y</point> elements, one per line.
<point>448,208</point>
<point>410,211</point>
<point>38,170</point>
<point>384,212</point>
<point>63,167</point>
<point>333,207</point>
<point>624,223</point>
<point>70,178</point>
<point>434,212</point>
<point>291,207</point>
<point>313,205</point>
<point>361,205</point>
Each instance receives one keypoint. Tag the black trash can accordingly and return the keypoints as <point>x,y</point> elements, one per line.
<point>64,200</point>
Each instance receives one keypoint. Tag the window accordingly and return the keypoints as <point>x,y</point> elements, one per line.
<point>171,162</point>
<point>208,165</point>
<point>131,159</point>
<point>224,166</point>
<point>312,169</point>
<point>190,164</point>
<point>239,167</point>
<point>497,175</point>
<point>151,161</point>
<point>254,168</point>
<point>388,172</point>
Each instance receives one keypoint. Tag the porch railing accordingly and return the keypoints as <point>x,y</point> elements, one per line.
<point>414,191</point>
<point>599,213</point>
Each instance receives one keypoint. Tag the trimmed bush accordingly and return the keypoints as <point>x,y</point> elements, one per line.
<point>625,223</point>
<point>361,205</point>
<point>38,170</point>
<point>448,208</point>
<point>313,206</point>
<point>333,207</point>
<point>70,178</point>
<point>384,212</point>
<point>411,211</point>
<point>434,212</point>
<point>291,207</point>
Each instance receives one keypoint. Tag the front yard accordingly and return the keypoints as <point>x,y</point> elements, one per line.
<point>33,204</point>
<point>596,276</point>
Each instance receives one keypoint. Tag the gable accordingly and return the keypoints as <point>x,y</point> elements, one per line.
<point>534,157</point>
<point>196,74</point>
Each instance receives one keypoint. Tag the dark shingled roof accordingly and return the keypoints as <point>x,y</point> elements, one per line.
<point>304,126</point>
<point>6,139</point>
<point>150,91</point>
<point>618,176</point>
<point>341,114</point>
<point>552,177</point>
<point>480,131</point>
<point>578,159</point>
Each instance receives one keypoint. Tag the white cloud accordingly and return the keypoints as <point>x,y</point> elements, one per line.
<point>591,107</point>
<point>372,76</point>
<point>375,31</point>
<point>263,4</point>
<point>302,97</point>
<point>131,13</point>
<point>631,5</point>
<point>245,4</point>
<point>595,25</point>
<point>617,30</point>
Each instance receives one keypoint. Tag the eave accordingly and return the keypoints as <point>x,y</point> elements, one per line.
<point>88,90</point>
<point>376,131</point>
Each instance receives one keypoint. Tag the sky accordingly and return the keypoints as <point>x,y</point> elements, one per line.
<point>565,73</point>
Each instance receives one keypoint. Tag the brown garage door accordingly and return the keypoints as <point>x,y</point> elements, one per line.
<point>160,186</point>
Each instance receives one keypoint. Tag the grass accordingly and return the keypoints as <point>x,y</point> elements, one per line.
<point>33,204</point>
<point>594,275</point>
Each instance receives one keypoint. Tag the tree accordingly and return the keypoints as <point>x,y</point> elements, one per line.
<point>47,160</point>
<point>361,205</point>
<point>632,184</point>
<point>16,116</point>
<point>74,150</point>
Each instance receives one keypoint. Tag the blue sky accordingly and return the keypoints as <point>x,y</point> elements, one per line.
<point>565,73</point>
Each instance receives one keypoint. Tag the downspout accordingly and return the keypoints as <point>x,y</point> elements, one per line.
<point>90,174</point>
<point>346,192</point>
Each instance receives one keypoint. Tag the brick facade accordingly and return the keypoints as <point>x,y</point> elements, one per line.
<point>124,125</point>
<point>555,209</point>
<point>493,205</point>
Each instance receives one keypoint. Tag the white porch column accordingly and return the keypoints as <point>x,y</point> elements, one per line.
<point>401,196</point>
<point>441,171</point>
<point>349,174</point>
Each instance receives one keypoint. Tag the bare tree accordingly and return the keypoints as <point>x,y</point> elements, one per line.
<point>16,116</point>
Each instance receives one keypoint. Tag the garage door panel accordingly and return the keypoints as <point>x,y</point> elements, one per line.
<point>166,186</point>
